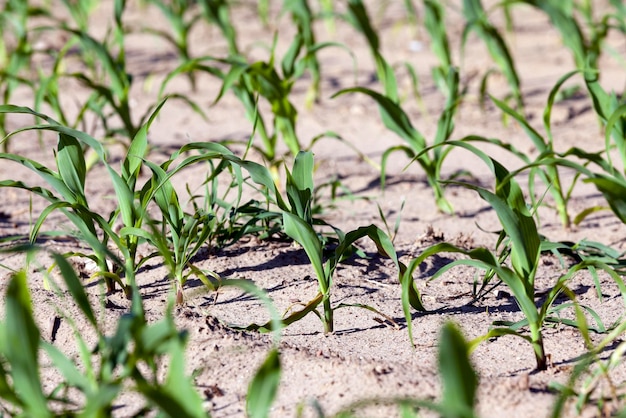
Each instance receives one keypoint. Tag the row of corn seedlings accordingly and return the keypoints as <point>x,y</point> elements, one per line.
<point>219,217</point>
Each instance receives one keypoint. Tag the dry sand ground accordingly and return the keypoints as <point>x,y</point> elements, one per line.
<point>363,358</point>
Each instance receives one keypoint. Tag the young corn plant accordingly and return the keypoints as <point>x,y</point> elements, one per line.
<point>548,173</point>
<point>217,12</point>
<point>586,41</point>
<point>434,21</point>
<point>298,224</point>
<point>358,17</point>
<point>131,359</point>
<point>522,249</point>
<point>68,196</point>
<point>430,159</point>
<point>478,21</point>
<point>68,189</point>
<point>181,234</point>
<point>16,51</point>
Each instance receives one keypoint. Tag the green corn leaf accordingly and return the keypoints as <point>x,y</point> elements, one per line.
<point>138,148</point>
<point>393,117</point>
<point>72,167</point>
<point>614,190</point>
<point>520,227</point>
<point>603,103</point>
<point>301,232</point>
<point>238,68</point>
<point>52,178</point>
<point>288,63</point>
<point>300,186</point>
<point>75,287</point>
<point>547,113</point>
<point>22,352</point>
<point>434,21</point>
<point>478,21</point>
<point>387,77</point>
<point>561,15</point>
<point>166,197</point>
<point>119,81</point>
<point>538,141</point>
<point>302,172</point>
<point>459,379</point>
<point>616,125</point>
<point>72,376</point>
<point>119,6</point>
<point>264,386</point>
<point>445,124</point>
<point>53,126</point>
<point>125,199</point>
<point>357,16</point>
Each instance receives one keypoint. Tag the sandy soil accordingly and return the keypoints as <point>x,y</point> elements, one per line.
<point>366,357</point>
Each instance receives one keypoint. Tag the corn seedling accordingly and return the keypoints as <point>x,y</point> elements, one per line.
<point>434,21</point>
<point>478,21</point>
<point>591,369</point>
<point>584,42</point>
<point>523,249</point>
<point>16,50</point>
<point>429,159</point>
<point>182,19</point>
<point>181,234</point>
<point>68,183</point>
<point>548,173</point>
<point>129,359</point>
<point>298,224</point>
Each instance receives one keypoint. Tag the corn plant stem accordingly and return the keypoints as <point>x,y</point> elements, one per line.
<point>442,203</point>
<point>328,315</point>
<point>537,343</point>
